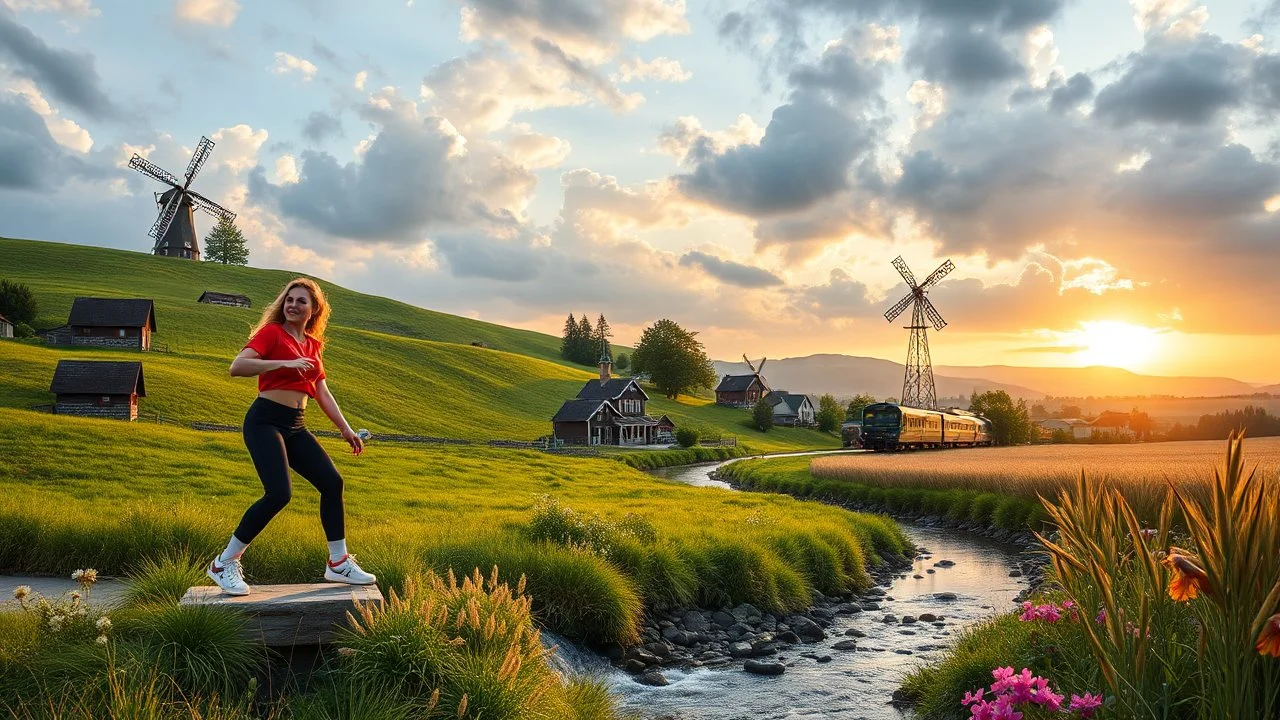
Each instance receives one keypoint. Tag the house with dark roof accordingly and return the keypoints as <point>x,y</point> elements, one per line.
<point>216,298</point>
<point>792,409</point>
<point>125,323</point>
<point>98,389</point>
<point>610,411</point>
<point>6,327</point>
<point>1111,422</point>
<point>741,390</point>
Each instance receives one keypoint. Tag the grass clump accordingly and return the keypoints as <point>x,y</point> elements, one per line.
<point>162,579</point>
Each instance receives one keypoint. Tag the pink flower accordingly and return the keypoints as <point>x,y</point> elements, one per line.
<point>1049,613</point>
<point>1086,704</point>
<point>973,697</point>
<point>1102,616</point>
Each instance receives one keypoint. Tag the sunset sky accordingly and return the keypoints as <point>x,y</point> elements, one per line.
<point>1105,175</point>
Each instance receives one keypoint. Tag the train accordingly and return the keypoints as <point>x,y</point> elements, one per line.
<point>889,426</point>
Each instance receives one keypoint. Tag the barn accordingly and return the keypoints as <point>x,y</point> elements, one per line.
<point>98,389</point>
<point>108,322</point>
<point>741,390</point>
<point>230,300</point>
<point>6,327</point>
<point>586,422</point>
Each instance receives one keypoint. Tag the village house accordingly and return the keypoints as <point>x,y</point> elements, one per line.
<point>792,409</point>
<point>742,391</point>
<point>107,322</point>
<point>1111,422</point>
<point>610,411</point>
<point>98,389</point>
<point>1077,429</point>
<point>228,299</point>
<point>6,327</point>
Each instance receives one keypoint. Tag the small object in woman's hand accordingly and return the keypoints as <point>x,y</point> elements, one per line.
<point>364,434</point>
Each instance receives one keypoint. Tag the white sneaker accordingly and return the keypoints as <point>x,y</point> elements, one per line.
<point>230,577</point>
<point>347,571</point>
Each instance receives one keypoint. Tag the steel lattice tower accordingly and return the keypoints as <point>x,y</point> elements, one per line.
<point>917,382</point>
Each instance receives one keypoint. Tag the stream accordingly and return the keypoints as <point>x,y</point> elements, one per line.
<point>852,685</point>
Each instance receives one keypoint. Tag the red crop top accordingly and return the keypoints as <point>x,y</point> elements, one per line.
<point>273,342</point>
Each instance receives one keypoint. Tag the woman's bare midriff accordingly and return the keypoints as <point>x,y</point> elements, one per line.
<point>292,398</point>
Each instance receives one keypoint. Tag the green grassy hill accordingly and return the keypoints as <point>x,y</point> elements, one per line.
<point>394,367</point>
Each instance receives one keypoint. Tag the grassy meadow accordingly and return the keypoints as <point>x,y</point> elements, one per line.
<point>394,367</point>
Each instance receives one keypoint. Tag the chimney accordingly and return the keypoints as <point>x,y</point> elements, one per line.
<point>606,362</point>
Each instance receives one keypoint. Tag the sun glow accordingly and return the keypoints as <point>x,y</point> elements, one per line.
<point>1115,343</point>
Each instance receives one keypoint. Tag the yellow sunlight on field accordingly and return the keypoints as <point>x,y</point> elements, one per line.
<point>1115,344</point>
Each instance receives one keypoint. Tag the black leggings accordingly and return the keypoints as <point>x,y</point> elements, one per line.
<point>277,440</point>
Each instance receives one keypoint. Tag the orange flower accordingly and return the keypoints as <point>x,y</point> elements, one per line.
<point>1269,639</point>
<point>1188,579</point>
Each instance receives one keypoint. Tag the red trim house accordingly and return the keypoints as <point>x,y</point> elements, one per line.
<point>98,389</point>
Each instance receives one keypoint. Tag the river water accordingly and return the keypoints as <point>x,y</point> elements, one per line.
<point>854,684</point>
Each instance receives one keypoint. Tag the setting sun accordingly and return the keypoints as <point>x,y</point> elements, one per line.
<point>1115,343</point>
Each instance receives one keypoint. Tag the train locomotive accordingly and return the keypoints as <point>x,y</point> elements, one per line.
<point>889,426</point>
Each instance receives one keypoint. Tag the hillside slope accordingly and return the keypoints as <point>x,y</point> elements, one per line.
<point>393,367</point>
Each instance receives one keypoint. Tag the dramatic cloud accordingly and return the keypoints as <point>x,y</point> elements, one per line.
<point>30,159</point>
<point>1076,91</point>
<point>321,126</point>
<point>730,272</point>
<point>969,60</point>
<point>216,13</point>
<point>586,28</point>
<point>1174,81</point>
<point>585,77</point>
<point>67,76</point>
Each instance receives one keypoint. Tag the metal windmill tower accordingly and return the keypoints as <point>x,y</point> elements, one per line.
<point>174,230</point>
<point>917,382</point>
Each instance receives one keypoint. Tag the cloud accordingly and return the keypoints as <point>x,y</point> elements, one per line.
<point>360,79</point>
<point>65,131</point>
<point>74,8</point>
<point>534,150</point>
<point>967,59</point>
<point>661,69</point>
<point>481,256</point>
<point>1175,82</point>
<point>1076,91</point>
<point>841,297</point>
<point>585,28</point>
<point>215,13</point>
<point>583,76</point>
<point>686,139</point>
<point>730,272</point>
<point>30,159</point>
<point>321,126</point>
<point>286,63</point>
<point>67,76</point>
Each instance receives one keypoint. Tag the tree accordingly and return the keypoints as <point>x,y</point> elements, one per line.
<point>568,340</point>
<point>225,244</point>
<point>830,414</point>
<point>622,363</point>
<point>1069,411</point>
<point>857,405</point>
<point>1141,424</point>
<point>673,359</point>
<point>17,302</point>
<point>1010,421</point>
<point>602,335</point>
<point>586,351</point>
<point>762,415</point>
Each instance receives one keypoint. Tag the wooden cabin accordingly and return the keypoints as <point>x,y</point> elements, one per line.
<point>94,388</point>
<point>228,299</point>
<point>741,390</point>
<point>610,411</point>
<point>6,327</point>
<point>108,322</point>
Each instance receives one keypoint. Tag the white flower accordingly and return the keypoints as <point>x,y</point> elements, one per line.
<point>21,592</point>
<point>55,623</point>
<point>104,623</point>
<point>86,577</point>
<point>102,640</point>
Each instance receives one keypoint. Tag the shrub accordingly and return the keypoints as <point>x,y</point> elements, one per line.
<point>23,330</point>
<point>202,648</point>
<point>687,437</point>
<point>762,415</point>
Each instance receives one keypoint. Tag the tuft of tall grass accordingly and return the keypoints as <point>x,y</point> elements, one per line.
<point>1177,625</point>
<point>162,579</point>
<point>201,649</point>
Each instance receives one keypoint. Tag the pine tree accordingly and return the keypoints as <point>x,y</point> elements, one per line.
<point>226,244</point>
<point>585,353</point>
<point>602,335</point>
<point>569,338</point>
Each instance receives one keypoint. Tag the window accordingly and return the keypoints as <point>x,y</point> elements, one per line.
<point>121,331</point>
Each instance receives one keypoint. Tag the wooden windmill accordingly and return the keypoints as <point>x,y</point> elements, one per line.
<point>757,370</point>
<point>917,381</point>
<point>174,230</point>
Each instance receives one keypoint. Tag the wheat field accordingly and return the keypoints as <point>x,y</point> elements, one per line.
<point>1140,470</point>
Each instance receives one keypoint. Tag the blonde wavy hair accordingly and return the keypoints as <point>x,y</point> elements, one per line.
<point>316,325</point>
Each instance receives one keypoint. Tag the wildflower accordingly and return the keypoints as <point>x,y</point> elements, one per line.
<point>346,651</point>
<point>1269,639</point>
<point>85,577</point>
<point>1101,617</point>
<point>55,622</point>
<point>102,640</point>
<point>973,697</point>
<point>1085,704</point>
<point>1148,532</point>
<point>103,624</point>
<point>21,592</point>
<point>1188,579</point>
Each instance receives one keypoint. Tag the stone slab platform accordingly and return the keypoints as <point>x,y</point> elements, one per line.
<point>290,615</point>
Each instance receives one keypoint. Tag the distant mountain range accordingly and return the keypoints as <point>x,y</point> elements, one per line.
<point>847,375</point>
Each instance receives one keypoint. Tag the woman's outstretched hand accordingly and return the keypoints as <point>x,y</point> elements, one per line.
<point>357,445</point>
<point>303,364</point>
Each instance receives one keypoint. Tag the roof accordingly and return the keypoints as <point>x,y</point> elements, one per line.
<point>97,377</point>
<point>4,319</point>
<point>739,383</point>
<point>609,389</point>
<point>1111,418</point>
<point>580,410</point>
<point>225,296</point>
<point>794,401</point>
<point>112,312</point>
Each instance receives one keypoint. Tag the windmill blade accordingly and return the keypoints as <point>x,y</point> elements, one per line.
<point>905,271</point>
<point>763,360</point>
<point>166,217</point>
<point>153,171</point>
<point>748,362</point>
<point>901,305</point>
<point>931,312</point>
<point>197,160</point>
<point>211,207</point>
<point>943,270</point>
